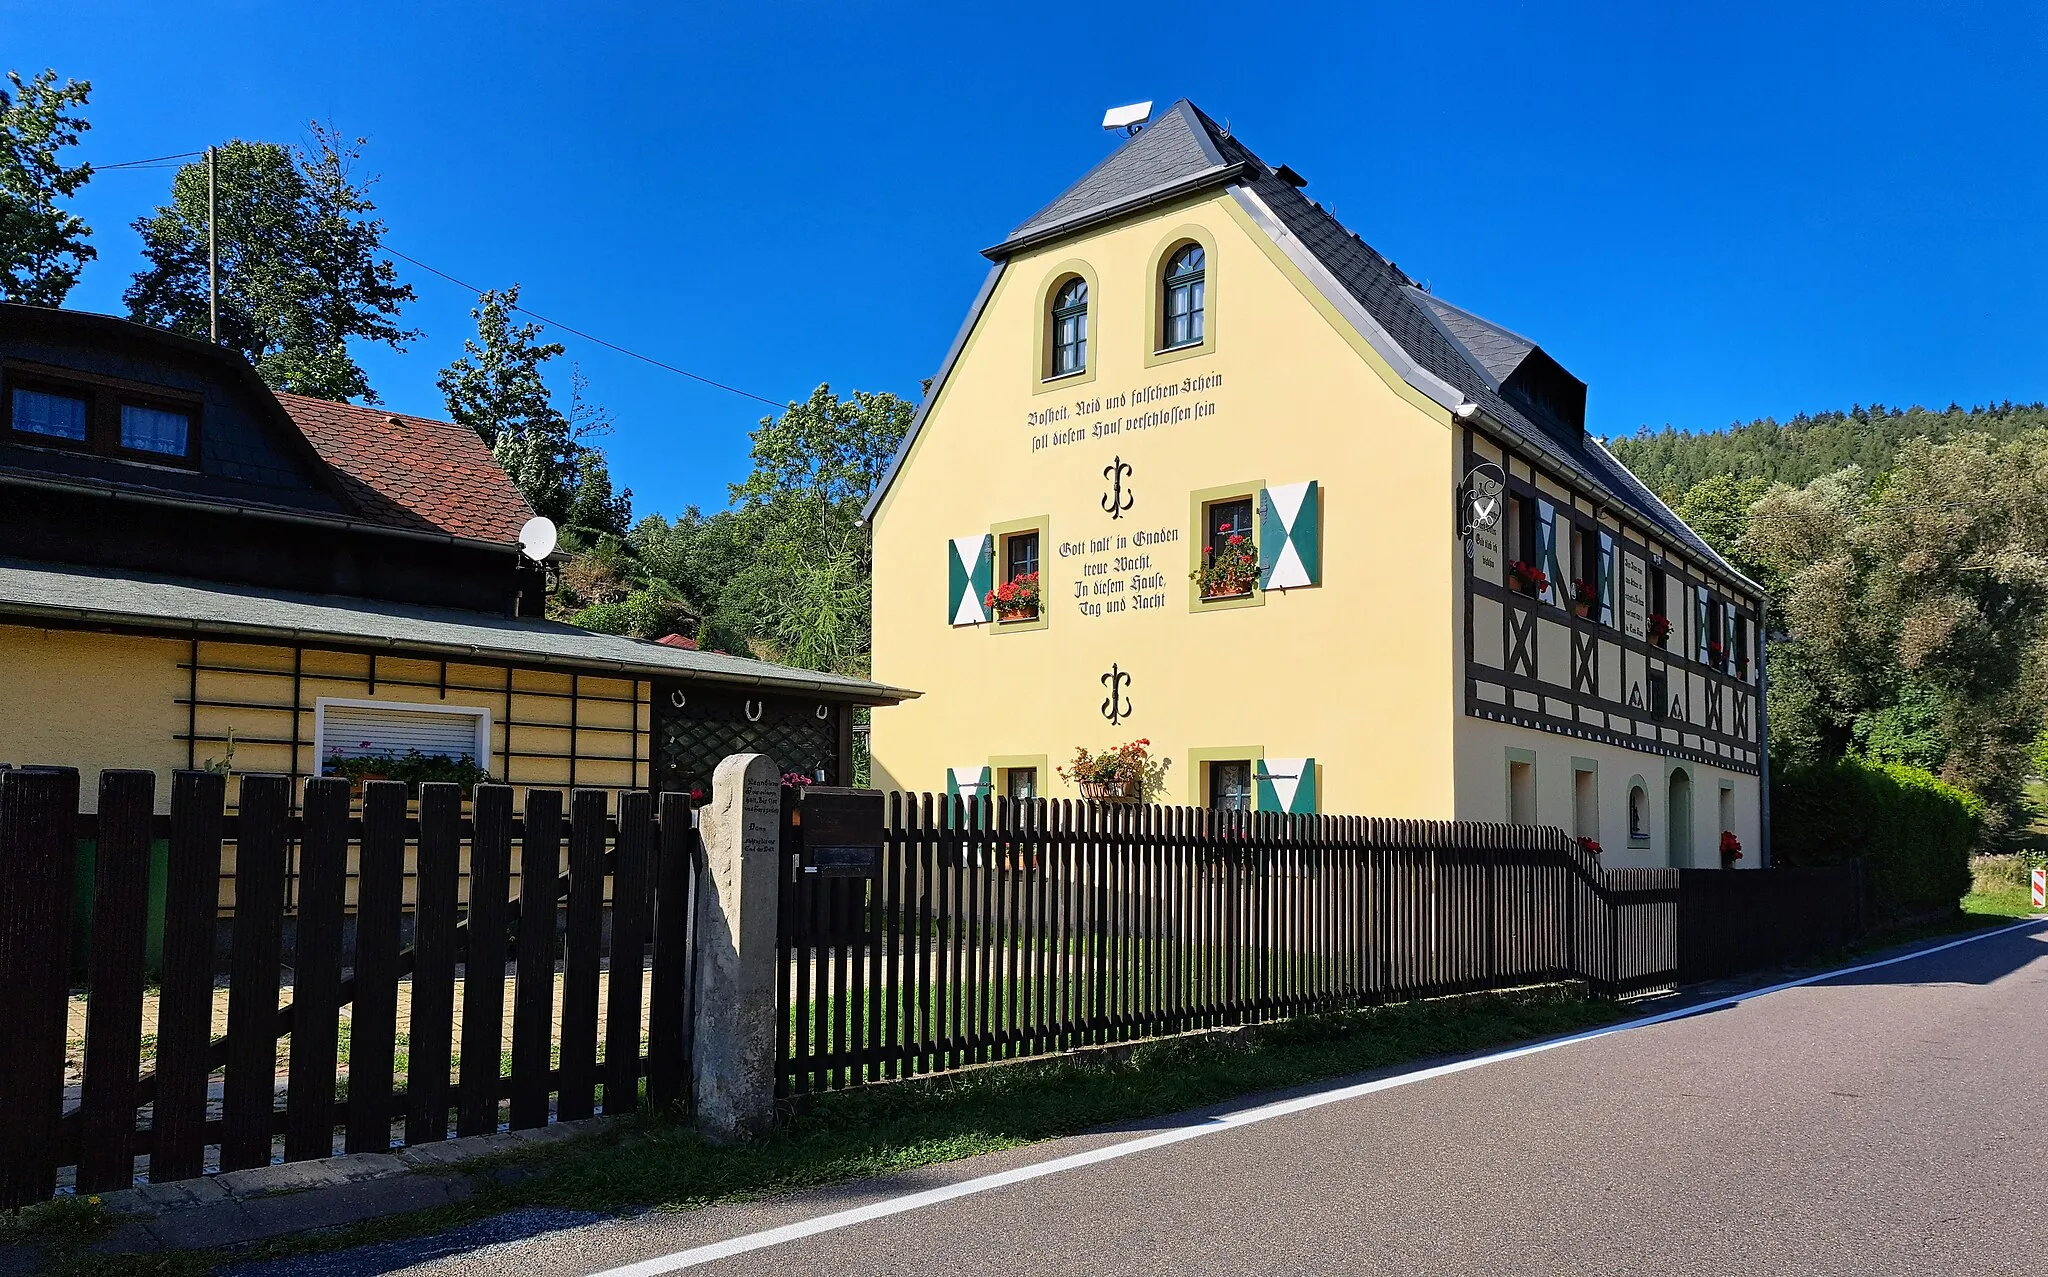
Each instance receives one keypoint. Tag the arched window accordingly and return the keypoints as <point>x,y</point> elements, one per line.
<point>1638,818</point>
<point>1070,328</point>
<point>1184,297</point>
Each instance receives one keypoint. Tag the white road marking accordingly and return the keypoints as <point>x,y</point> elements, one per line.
<point>697,1255</point>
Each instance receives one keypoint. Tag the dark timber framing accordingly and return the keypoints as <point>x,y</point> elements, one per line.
<point>1590,714</point>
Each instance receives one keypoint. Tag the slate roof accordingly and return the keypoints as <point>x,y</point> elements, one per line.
<point>412,472</point>
<point>1471,355</point>
<point>1174,154</point>
<point>107,597</point>
<point>1498,351</point>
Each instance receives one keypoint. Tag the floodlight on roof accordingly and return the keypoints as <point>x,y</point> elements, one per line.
<point>1127,118</point>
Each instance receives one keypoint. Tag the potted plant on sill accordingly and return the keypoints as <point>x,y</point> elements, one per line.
<point>1731,849</point>
<point>1584,598</point>
<point>1229,570</point>
<point>1113,776</point>
<point>1015,599</point>
<point>1717,656</point>
<point>1660,628</point>
<point>412,767</point>
<point>1527,578</point>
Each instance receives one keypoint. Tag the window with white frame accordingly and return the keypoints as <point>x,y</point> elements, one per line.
<point>346,729</point>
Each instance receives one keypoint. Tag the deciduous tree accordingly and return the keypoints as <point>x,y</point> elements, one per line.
<point>784,573</point>
<point>498,387</point>
<point>302,270</point>
<point>42,247</point>
<point>1914,612</point>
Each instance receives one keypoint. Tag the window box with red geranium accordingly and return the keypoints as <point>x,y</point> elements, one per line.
<point>1717,656</point>
<point>1585,599</point>
<point>1015,599</point>
<point>1660,628</point>
<point>1224,572</point>
<point>1125,774</point>
<point>1731,849</point>
<point>1229,570</point>
<point>1527,578</point>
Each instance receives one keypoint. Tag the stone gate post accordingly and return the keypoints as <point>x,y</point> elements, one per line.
<point>734,1055</point>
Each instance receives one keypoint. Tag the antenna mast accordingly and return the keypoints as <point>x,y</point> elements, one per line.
<point>212,254</point>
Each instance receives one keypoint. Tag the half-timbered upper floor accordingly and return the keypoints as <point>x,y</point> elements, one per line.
<point>1588,615</point>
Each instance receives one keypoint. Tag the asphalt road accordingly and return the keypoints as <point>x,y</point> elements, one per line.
<point>1888,1122</point>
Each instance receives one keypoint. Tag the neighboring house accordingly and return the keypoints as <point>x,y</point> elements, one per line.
<point>1270,490</point>
<point>193,568</point>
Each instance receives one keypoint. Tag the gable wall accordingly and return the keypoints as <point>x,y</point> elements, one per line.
<point>1358,672</point>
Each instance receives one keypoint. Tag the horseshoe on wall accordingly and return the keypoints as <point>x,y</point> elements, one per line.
<point>676,699</point>
<point>754,710</point>
<point>824,712</point>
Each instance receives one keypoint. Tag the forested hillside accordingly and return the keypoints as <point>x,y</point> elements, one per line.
<point>1905,553</point>
<point>1803,449</point>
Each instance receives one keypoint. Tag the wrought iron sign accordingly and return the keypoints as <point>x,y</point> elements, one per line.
<point>1485,489</point>
<point>1117,706</point>
<point>1118,499</point>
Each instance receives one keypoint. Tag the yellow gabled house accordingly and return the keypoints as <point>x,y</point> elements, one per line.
<point>1202,468</point>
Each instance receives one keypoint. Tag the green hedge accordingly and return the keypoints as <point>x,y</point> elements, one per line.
<point>1913,831</point>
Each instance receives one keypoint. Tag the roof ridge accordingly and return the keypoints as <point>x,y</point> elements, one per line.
<point>1473,315</point>
<point>1228,148</point>
<point>375,410</point>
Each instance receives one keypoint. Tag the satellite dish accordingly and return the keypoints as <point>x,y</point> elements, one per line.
<point>537,538</point>
<point>1128,119</point>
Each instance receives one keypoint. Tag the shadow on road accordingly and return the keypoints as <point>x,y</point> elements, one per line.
<point>1980,962</point>
<point>385,1257</point>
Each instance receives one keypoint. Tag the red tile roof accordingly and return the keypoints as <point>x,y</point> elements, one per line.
<point>413,472</point>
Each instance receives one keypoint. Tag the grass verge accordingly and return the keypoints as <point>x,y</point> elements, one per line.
<point>837,1137</point>
<point>1999,886</point>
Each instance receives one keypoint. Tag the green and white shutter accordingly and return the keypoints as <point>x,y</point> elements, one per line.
<point>1701,636</point>
<point>1606,581</point>
<point>970,575</point>
<point>1290,536</point>
<point>976,780</point>
<point>1547,522</point>
<point>1287,784</point>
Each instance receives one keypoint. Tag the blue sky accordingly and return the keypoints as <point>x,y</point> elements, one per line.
<point>1709,213</point>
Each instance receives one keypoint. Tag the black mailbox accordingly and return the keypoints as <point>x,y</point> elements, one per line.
<point>838,831</point>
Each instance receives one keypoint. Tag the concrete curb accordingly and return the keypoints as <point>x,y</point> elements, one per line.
<point>269,1202</point>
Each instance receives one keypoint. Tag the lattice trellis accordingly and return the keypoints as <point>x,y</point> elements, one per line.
<point>695,730</point>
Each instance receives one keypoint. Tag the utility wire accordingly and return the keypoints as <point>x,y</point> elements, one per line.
<point>155,159</point>
<point>645,359</point>
<point>575,332</point>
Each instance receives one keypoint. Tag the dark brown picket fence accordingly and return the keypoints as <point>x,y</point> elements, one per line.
<point>1734,922</point>
<point>174,1122</point>
<point>1000,929</point>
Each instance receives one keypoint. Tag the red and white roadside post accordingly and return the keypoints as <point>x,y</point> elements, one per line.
<point>2040,885</point>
